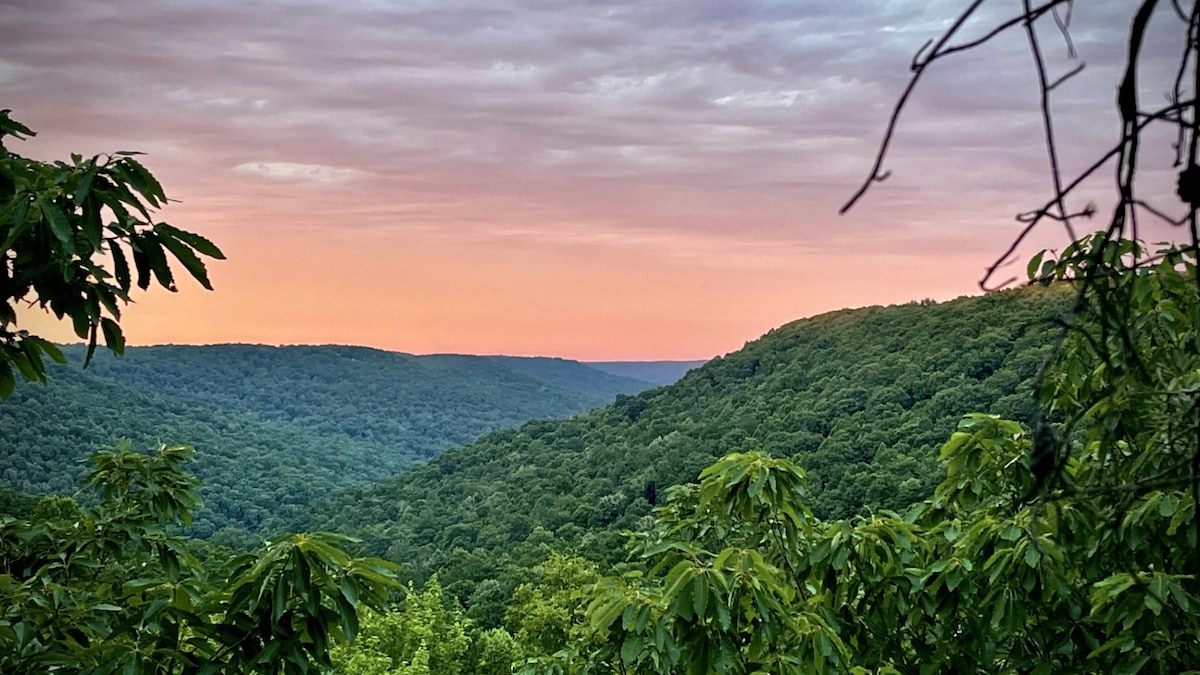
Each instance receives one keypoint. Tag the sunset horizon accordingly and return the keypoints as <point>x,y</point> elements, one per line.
<point>616,182</point>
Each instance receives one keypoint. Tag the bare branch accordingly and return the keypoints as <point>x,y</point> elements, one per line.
<point>1047,120</point>
<point>918,70</point>
<point>918,66</point>
<point>1033,218</point>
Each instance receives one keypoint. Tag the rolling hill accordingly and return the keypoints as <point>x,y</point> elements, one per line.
<point>862,398</point>
<point>277,428</point>
<point>658,372</point>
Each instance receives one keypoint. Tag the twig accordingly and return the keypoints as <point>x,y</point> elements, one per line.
<point>1047,120</point>
<point>918,70</point>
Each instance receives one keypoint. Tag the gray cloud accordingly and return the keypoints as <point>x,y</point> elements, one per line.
<point>632,114</point>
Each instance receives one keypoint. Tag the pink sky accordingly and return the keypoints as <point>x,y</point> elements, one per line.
<point>607,180</point>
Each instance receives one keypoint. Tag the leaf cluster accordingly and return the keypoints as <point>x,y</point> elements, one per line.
<point>109,587</point>
<point>999,571</point>
<point>76,238</point>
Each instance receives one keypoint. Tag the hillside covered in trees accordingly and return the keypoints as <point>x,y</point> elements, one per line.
<point>277,429</point>
<point>861,398</point>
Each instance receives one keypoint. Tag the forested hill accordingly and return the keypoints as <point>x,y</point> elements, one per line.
<point>420,404</point>
<point>578,377</point>
<point>276,428</point>
<point>863,398</point>
<point>658,372</point>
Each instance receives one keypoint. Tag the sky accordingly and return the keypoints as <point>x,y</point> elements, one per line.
<point>600,180</point>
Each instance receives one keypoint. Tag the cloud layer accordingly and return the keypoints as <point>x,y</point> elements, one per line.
<point>603,178</point>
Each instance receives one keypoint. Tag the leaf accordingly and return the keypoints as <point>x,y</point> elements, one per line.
<point>49,348</point>
<point>27,363</point>
<point>201,244</point>
<point>143,181</point>
<point>114,339</point>
<point>1153,604</point>
<point>141,261</point>
<point>278,599</point>
<point>7,382</point>
<point>58,224</point>
<point>1168,505</point>
<point>349,618</point>
<point>1034,263</point>
<point>84,186</point>
<point>120,264</point>
<point>157,260</point>
<point>349,591</point>
<point>631,649</point>
<point>20,211</point>
<point>1000,611</point>
<point>700,596</point>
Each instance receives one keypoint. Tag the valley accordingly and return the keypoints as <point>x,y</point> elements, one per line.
<point>278,429</point>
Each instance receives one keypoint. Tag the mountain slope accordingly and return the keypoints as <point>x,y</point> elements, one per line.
<point>257,474</point>
<point>658,372</point>
<point>863,398</point>
<point>278,428</point>
<point>414,406</point>
<point>576,376</point>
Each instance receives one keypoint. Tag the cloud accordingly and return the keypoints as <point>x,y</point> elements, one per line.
<point>291,171</point>
<point>742,125</point>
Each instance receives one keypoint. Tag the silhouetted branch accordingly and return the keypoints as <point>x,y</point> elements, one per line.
<point>1047,120</point>
<point>1033,218</point>
<point>920,62</point>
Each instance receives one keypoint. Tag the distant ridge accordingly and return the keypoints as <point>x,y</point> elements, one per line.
<point>862,399</point>
<point>658,372</point>
<point>278,428</point>
<point>575,376</point>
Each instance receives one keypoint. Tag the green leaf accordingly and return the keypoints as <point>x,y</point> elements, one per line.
<point>58,224</point>
<point>7,382</point>
<point>19,221</point>
<point>631,649</point>
<point>84,186</point>
<point>153,248</point>
<point>700,595</point>
<point>202,245</point>
<point>349,618</point>
<point>1034,263</point>
<point>1000,611</point>
<point>278,599</point>
<point>143,181</point>
<point>114,339</point>
<point>49,348</point>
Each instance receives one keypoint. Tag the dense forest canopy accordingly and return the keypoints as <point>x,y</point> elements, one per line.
<point>835,497</point>
<point>104,584</point>
<point>278,429</point>
<point>861,398</point>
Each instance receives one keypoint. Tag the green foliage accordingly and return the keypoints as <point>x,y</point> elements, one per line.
<point>107,587</point>
<point>976,581</point>
<point>584,378</point>
<point>278,429</point>
<point>545,614</point>
<point>1005,569</point>
<point>406,407</point>
<point>56,241</point>
<point>497,651</point>
<point>427,636</point>
<point>861,399</point>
